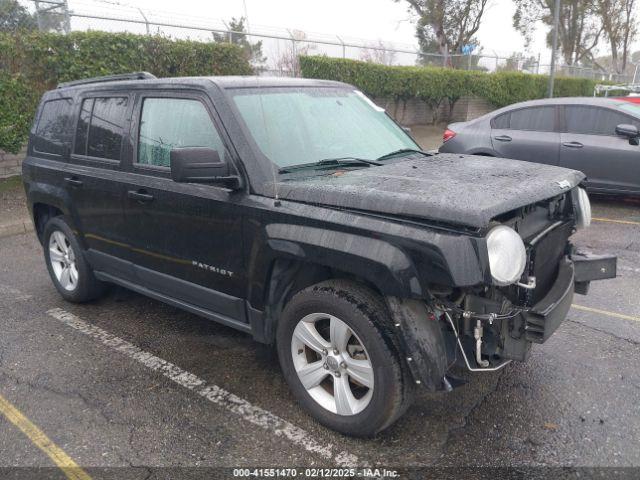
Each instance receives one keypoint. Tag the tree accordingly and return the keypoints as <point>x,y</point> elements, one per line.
<point>14,16</point>
<point>518,62</point>
<point>619,25</point>
<point>238,36</point>
<point>579,28</point>
<point>378,54</point>
<point>446,25</point>
<point>288,61</point>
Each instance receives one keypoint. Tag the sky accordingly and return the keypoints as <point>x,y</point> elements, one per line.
<point>371,20</point>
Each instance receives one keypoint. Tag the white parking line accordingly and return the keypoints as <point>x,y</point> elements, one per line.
<point>615,220</point>
<point>219,396</point>
<point>606,312</point>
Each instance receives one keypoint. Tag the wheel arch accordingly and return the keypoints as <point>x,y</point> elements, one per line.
<point>42,213</point>
<point>483,152</point>
<point>46,201</point>
<point>286,277</point>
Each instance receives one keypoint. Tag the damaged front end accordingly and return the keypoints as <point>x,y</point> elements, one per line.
<point>483,328</point>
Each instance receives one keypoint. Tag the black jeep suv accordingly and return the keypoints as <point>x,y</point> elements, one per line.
<point>299,212</point>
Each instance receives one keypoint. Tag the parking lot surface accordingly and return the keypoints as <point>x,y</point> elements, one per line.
<point>128,381</point>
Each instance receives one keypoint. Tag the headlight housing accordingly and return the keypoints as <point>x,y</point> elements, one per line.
<point>583,209</point>
<point>507,255</point>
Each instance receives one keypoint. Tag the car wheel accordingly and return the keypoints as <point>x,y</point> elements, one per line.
<point>67,266</point>
<point>340,360</point>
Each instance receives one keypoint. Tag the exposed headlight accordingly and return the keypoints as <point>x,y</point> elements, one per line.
<point>583,209</point>
<point>507,255</point>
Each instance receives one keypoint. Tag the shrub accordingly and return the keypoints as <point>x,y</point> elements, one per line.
<point>17,104</point>
<point>436,85</point>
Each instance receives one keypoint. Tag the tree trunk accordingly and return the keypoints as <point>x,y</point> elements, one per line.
<point>443,45</point>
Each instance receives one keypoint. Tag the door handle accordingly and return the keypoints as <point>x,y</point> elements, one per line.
<point>73,181</point>
<point>503,138</point>
<point>572,144</point>
<point>140,196</point>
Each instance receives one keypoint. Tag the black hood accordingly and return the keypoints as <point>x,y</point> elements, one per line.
<point>457,189</point>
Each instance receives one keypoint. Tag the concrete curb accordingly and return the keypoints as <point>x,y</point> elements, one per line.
<point>16,228</point>
<point>8,172</point>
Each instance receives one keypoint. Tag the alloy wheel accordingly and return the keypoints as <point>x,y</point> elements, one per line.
<point>332,364</point>
<point>63,260</point>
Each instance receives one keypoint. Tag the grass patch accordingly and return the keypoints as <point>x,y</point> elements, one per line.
<point>11,183</point>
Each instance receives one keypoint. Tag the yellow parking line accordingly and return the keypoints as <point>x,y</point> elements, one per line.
<point>613,220</point>
<point>40,440</point>
<point>605,312</point>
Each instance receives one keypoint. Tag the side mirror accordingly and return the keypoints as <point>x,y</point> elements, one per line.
<point>201,165</point>
<point>626,130</point>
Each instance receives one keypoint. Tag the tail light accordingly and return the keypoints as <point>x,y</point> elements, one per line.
<point>448,135</point>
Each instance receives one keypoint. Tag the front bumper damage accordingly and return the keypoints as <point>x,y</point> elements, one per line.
<point>574,275</point>
<point>428,342</point>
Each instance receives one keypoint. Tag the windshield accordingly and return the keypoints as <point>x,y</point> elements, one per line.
<point>292,126</point>
<point>631,108</point>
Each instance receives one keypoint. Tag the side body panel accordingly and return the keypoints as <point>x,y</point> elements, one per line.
<point>538,147</point>
<point>610,163</point>
<point>589,143</point>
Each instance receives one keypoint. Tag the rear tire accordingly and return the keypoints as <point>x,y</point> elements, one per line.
<point>69,270</point>
<point>360,386</point>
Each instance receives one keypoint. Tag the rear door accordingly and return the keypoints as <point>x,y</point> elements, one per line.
<point>589,144</point>
<point>186,238</point>
<point>48,151</point>
<point>529,134</point>
<point>94,179</point>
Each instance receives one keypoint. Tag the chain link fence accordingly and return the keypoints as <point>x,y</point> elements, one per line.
<point>280,48</point>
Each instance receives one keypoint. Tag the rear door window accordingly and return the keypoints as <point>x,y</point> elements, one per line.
<point>53,131</point>
<point>538,119</point>
<point>100,127</point>
<point>594,120</point>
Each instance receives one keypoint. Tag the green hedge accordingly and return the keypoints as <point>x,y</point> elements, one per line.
<point>33,62</point>
<point>18,101</point>
<point>437,85</point>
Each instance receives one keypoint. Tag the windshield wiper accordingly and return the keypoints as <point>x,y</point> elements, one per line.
<point>346,161</point>
<point>330,161</point>
<point>403,150</point>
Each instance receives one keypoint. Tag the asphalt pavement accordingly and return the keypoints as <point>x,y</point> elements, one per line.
<point>130,382</point>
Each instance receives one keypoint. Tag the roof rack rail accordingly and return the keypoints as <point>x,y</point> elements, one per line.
<point>109,78</point>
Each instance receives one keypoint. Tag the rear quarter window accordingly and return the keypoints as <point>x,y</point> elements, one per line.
<point>53,130</point>
<point>501,121</point>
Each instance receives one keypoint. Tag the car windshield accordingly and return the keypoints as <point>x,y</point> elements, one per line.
<point>294,126</point>
<point>630,108</point>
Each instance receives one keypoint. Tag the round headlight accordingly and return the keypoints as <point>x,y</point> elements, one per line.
<point>507,255</point>
<point>583,209</point>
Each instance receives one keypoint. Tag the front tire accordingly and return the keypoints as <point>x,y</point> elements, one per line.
<point>69,270</point>
<point>338,355</point>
